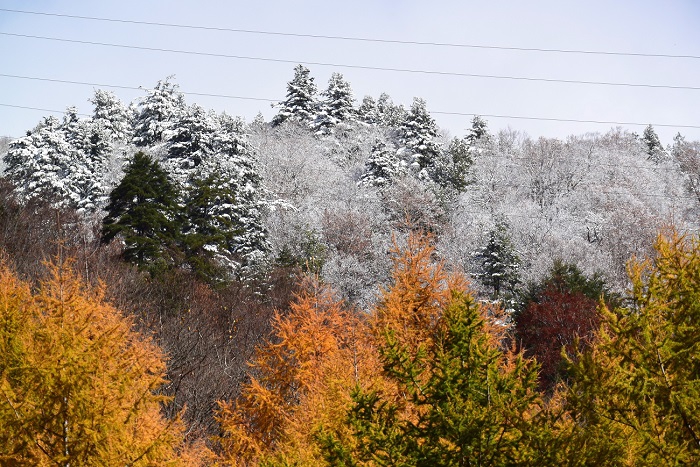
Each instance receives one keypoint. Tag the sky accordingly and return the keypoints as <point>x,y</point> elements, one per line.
<point>437,71</point>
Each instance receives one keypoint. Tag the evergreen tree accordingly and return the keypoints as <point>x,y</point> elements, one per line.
<point>191,141</point>
<point>417,136</point>
<point>451,169</point>
<point>112,115</point>
<point>390,115</point>
<point>158,113</point>
<point>38,163</point>
<point>210,228</point>
<point>368,112</point>
<point>236,168</point>
<point>336,106</point>
<point>142,210</point>
<point>478,130</point>
<point>452,397</point>
<point>86,175</point>
<point>499,265</point>
<point>382,167</point>
<point>300,104</point>
<point>636,394</point>
<point>654,149</point>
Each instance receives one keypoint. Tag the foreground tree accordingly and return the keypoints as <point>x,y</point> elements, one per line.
<point>635,396</point>
<point>300,382</point>
<point>79,386</point>
<point>560,314</point>
<point>452,396</point>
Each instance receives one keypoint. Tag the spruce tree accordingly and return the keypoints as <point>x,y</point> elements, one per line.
<point>300,104</point>
<point>417,136</point>
<point>142,210</point>
<point>382,167</point>
<point>336,106</point>
<point>157,113</point>
<point>653,147</point>
<point>368,112</point>
<point>499,265</point>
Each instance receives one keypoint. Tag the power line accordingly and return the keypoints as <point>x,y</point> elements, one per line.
<point>359,67</point>
<point>569,120</point>
<point>465,114</point>
<point>133,88</point>
<point>39,109</point>
<point>354,38</point>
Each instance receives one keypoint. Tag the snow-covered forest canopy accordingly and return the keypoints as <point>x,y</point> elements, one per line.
<point>204,226</point>
<point>332,179</point>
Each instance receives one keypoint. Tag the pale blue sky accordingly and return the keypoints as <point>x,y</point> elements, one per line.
<point>648,27</point>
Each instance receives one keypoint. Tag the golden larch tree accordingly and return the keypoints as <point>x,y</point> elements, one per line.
<point>78,385</point>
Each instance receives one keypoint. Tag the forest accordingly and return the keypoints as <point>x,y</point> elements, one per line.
<point>346,284</point>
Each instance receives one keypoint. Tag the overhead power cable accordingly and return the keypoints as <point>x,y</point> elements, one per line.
<point>354,38</point>
<point>465,114</point>
<point>132,88</point>
<point>359,67</point>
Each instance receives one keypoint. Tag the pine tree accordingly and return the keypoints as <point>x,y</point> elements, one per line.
<point>38,163</point>
<point>157,113</point>
<point>112,115</point>
<point>382,167</point>
<point>191,141</point>
<point>499,265</point>
<point>300,104</point>
<point>336,106</point>
<point>142,210</point>
<point>368,112</point>
<point>79,386</point>
<point>417,136</point>
<point>654,149</point>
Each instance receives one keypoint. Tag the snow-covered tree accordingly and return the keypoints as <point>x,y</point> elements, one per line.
<point>38,163</point>
<point>300,104</point>
<point>383,166</point>
<point>451,168</point>
<point>157,113</point>
<point>336,105</point>
<point>499,265</point>
<point>417,135</point>
<point>687,155</point>
<point>235,175</point>
<point>368,112</point>
<point>390,115</point>
<point>654,149</point>
<point>112,115</point>
<point>478,130</point>
<point>190,141</point>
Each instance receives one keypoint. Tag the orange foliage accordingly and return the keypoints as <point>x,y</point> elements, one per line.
<point>301,381</point>
<point>77,384</point>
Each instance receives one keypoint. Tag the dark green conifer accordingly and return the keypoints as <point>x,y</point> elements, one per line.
<point>142,210</point>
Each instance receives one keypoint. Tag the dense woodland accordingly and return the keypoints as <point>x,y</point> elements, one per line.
<point>345,284</point>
